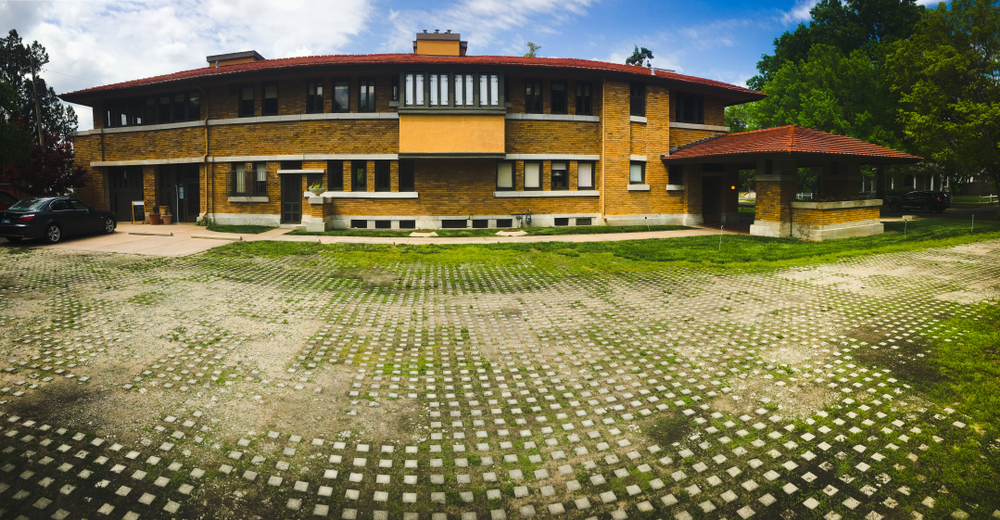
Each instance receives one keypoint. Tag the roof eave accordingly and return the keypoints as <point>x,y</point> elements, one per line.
<point>754,156</point>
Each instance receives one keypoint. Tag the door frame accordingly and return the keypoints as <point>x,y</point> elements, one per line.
<point>291,196</point>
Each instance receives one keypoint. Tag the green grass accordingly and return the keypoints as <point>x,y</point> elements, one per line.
<point>739,253</point>
<point>535,231</point>
<point>243,229</point>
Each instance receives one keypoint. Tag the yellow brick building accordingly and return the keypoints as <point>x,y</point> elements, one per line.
<point>432,139</point>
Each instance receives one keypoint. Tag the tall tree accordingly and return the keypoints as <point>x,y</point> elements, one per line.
<point>532,48</point>
<point>17,62</point>
<point>640,57</point>
<point>948,75</point>
<point>36,158</point>
<point>852,25</point>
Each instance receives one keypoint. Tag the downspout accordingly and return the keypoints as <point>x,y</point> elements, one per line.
<point>209,175</point>
<point>604,160</point>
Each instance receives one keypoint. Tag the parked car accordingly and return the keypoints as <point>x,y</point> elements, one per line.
<point>53,218</point>
<point>6,200</point>
<point>925,201</point>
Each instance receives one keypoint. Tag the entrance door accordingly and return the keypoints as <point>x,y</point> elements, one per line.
<point>710,194</point>
<point>126,186</point>
<point>291,199</point>
<point>187,194</point>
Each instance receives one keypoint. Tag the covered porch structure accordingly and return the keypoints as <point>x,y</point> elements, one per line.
<point>776,154</point>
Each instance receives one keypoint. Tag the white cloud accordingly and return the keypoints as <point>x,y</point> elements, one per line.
<point>107,41</point>
<point>494,23</point>
<point>800,12</point>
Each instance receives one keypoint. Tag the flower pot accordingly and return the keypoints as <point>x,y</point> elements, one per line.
<point>317,191</point>
<point>154,218</point>
<point>164,210</point>
<point>168,219</point>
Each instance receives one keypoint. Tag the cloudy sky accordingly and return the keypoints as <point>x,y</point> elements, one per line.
<point>96,42</point>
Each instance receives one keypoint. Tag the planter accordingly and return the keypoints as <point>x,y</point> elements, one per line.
<point>168,219</point>
<point>154,218</point>
<point>840,219</point>
<point>317,191</point>
<point>164,210</point>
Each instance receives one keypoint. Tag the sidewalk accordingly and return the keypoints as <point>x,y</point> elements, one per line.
<point>188,239</point>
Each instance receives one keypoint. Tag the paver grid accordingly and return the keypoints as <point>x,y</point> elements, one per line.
<point>679,394</point>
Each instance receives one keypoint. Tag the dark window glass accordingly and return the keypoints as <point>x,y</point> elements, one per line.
<point>366,95</point>
<point>584,105</point>
<point>194,107</point>
<point>690,108</point>
<point>179,107</point>
<point>270,107</point>
<point>151,111</point>
<point>246,101</point>
<point>291,165</point>
<point>395,88</point>
<point>637,99</point>
<point>314,97</point>
<point>335,176</point>
<point>382,182</point>
<point>341,96</point>
<point>359,176</point>
<point>533,96</point>
<point>407,170</point>
<point>559,97</point>
<point>506,89</point>
<point>676,175</point>
<point>560,176</point>
<point>164,109</point>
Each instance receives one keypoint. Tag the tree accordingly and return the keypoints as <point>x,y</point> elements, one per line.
<point>33,168</point>
<point>532,47</point>
<point>17,62</point>
<point>15,143</point>
<point>948,76</point>
<point>640,57</point>
<point>853,25</point>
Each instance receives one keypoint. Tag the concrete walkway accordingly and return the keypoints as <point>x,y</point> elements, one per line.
<point>188,239</point>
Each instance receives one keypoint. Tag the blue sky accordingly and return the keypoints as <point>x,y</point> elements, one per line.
<point>97,42</point>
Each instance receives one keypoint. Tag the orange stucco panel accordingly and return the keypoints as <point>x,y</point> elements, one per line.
<point>451,134</point>
<point>439,48</point>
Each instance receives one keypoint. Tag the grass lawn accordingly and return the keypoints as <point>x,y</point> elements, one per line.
<point>738,253</point>
<point>244,229</point>
<point>537,231</point>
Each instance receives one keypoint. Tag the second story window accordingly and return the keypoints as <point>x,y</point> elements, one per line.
<point>246,101</point>
<point>690,108</point>
<point>314,96</point>
<point>270,107</point>
<point>637,99</point>
<point>341,96</point>
<point>558,97</point>
<point>439,90</point>
<point>489,90</point>
<point>464,93</point>
<point>584,106</point>
<point>366,95</point>
<point>533,96</point>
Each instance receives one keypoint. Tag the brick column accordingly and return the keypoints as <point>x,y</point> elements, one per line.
<point>150,188</point>
<point>776,182</point>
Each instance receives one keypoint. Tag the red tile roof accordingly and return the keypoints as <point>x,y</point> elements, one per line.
<point>791,140</point>
<point>364,60</point>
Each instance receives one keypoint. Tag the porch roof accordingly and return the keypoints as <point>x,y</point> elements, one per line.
<point>785,142</point>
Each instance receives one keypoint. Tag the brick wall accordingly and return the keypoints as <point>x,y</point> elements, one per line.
<point>774,201</point>
<point>834,216</point>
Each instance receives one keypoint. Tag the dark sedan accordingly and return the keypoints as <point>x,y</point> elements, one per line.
<point>925,201</point>
<point>53,218</point>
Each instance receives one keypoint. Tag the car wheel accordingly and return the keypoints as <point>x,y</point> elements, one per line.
<point>926,208</point>
<point>109,225</point>
<point>53,233</point>
<point>14,239</point>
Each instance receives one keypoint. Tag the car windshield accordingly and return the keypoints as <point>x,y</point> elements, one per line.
<point>29,204</point>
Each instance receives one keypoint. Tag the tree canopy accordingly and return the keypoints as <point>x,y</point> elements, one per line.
<point>532,48</point>
<point>948,78</point>
<point>32,168</point>
<point>640,57</point>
